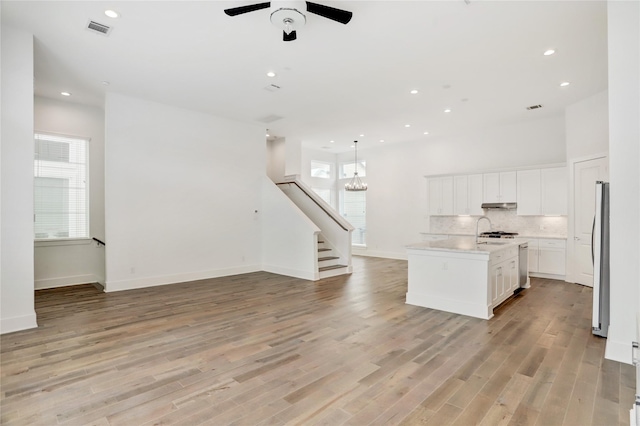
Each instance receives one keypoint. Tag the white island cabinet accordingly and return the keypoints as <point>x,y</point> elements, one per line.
<point>457,275</point>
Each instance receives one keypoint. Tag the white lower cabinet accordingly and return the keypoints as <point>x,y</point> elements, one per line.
<point>547,256</point>
<point>552,256</point>
<point>503,275</point>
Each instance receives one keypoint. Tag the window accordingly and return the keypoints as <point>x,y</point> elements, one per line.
<point>347,169</point>
<point>324,193</point>
<point>354,208</point>
<point>320,170</point>
<point>61,198</point>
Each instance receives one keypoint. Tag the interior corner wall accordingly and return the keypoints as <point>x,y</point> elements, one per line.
<point>79,262</point>
<point>182,194</point>
<point>587,126</point>
<point>624,170</point>
<point>276,159</point>
<point>293,157</point>
<point>16,182</point>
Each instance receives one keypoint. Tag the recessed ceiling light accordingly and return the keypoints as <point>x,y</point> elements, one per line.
<point>332,141</point>
<point>447,110</point>
<point>381,140</point>
<point>414,92</point>
<point>407,125</point>
<point>271,74</point>
<point>564,84</point>
<point>111,13</point>
<point>426,133</point>
<point>362,136</point>
<point>549,52</point>
<point>65,93</point>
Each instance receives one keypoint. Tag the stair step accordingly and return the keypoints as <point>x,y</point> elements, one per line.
<point>320,259</point>
<point>328,268</point>
<point>323,249</point>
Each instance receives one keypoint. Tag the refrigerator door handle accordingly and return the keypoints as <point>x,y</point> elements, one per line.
<point>593,229</point>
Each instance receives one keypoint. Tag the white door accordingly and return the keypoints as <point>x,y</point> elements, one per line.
<point>585,175</point>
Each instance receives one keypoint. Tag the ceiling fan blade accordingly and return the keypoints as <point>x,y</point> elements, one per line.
<point>244,9</point>
<point>289,37</point>
<point>332,13</point>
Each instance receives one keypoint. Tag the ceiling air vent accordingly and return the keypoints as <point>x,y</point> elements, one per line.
<point>272,88</point>
<point>534,107</point>
<point>99,28</point>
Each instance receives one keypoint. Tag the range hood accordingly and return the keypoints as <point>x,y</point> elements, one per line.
<point>501,206</point>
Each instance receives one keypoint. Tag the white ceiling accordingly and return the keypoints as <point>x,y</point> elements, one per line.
<point>483,60</point>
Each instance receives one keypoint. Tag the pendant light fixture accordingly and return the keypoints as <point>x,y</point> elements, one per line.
<point>355,184</point>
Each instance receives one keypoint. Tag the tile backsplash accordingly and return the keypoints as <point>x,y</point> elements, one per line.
<point>502,220</point>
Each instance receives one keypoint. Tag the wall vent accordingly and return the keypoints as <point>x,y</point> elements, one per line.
<point>534,107</point>
<point>98,28</point>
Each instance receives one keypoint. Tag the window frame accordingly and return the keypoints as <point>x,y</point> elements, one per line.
<point>85,192</point>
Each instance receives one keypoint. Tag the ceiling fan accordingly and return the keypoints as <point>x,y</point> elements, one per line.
<point>290,15</point>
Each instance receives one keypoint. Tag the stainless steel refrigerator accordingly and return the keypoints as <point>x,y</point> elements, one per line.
<point>600,255</point>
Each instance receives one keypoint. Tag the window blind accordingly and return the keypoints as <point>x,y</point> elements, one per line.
<point>61,198</point>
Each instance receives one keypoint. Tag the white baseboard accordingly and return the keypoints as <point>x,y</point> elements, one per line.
<point>120,285</point>
<point>66,281</point>
<point>25,322</point>
<point>616,349</point>
<point>305,275</point>
<point>376,253</point>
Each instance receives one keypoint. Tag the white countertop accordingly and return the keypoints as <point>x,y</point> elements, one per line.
<point>549,237</point>
<point>466,244</point>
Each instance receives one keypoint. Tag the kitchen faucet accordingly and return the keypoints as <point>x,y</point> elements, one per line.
<point>478,223</point>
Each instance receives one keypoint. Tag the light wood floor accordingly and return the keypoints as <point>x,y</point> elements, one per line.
<point>266,349</point>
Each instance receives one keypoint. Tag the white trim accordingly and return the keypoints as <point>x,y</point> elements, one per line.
<point>617,350</point>
<point>570,256</point>
<point>10,325</point>
<point>356,251</point>
<point>478,310</point>
<point>66,281</point>
<point>62,242</point>
<point>295,273</point>
<point>120,285</point>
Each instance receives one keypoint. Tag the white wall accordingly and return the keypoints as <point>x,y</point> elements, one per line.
<point>289,238</point>
<point>56,263</point>
<point>16,182</point>
<point>587,126</point>
<point>181,191</point>
<point>624,161</point>
<point>276,159</point>
<point>396,199</point>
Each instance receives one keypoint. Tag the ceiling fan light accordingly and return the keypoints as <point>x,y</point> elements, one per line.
<point>289,16</point>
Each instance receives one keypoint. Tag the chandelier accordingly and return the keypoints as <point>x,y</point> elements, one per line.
<point>355,184</point>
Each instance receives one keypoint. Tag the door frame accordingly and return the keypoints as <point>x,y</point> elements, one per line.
<point>570,276</point>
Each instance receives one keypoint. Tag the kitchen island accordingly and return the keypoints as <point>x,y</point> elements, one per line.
<point>462,276</point>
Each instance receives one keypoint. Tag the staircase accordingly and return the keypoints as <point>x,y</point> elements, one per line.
<point>328,263</point>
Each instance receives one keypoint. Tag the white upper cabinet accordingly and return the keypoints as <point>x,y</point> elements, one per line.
<point>475,195</point>
<point>554,191</point>
<point>529,193</point>
<point>441,196</point>
<point>467,195</point>
<point>499,187</point>
<point>542,192</point>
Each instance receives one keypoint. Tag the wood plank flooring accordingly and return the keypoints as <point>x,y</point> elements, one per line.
<point>263,349</point>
